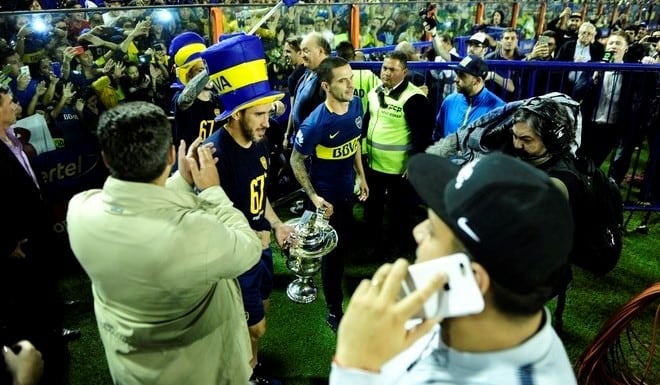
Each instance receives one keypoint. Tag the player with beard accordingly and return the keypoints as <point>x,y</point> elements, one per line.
<point>243,161</point>
<point>470,101</point>
<point>330,136</point>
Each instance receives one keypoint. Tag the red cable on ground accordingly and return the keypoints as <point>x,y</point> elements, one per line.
<point>604,361</point>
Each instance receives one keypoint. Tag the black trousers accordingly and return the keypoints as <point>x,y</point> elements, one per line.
<point>598,141</point>
<point>332,264</point>
<point>395,192</point>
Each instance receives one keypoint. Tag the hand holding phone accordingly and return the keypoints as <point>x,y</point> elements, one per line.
<point>460,296</point>
<point>25,70</point>
<point>56,67</point>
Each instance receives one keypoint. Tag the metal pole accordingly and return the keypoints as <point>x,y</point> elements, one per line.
<point>266,17</point>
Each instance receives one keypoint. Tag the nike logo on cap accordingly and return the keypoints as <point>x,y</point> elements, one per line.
<point>332,136</point>
<point>463,225</point>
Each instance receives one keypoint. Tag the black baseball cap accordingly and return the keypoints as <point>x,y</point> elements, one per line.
<point>473,65</point>
<point>510,216</point>
<point>576,15</point>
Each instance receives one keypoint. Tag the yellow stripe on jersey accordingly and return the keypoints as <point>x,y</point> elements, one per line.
<point>344,151</point>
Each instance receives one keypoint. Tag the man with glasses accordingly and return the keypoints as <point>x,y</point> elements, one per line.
<point>399,124</point>
<point>584,49</point>
<point>478,44</point>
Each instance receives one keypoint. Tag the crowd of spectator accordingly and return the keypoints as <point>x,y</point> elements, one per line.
<point>64,69</point>
<point>71,66</point>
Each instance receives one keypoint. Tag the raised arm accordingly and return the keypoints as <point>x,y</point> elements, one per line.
<point>194,87</point>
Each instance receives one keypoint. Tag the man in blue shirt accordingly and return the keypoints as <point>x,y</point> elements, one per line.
<point>471,100</point>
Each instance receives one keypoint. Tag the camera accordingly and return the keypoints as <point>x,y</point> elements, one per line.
<point>427,14</point>
<point>427,11</point>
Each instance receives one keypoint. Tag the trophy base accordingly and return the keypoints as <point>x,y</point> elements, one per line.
<point>302,290</point>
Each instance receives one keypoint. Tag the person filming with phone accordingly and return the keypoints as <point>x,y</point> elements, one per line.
<point>611,104</point>
<point>515,226</point>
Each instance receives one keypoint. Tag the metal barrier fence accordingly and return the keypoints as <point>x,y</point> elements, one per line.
<point>533,78</point>
<point>530,78</point>
<point>457,18</point>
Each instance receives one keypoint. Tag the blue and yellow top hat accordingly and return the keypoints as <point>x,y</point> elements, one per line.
<point>186,49</point>
<point>237,66</point>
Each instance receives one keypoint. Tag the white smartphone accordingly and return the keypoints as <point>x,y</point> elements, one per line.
<point>460,296</point>
<point>25,70</point>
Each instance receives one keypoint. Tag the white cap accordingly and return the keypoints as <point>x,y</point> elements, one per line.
<point>479,37</point>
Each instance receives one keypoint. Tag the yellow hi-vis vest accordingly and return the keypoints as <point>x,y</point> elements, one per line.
<point>388,136</point>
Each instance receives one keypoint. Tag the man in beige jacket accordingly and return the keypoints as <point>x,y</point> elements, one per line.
<point>163,259</point>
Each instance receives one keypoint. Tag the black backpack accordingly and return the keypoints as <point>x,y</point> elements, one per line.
<point>599,248</point>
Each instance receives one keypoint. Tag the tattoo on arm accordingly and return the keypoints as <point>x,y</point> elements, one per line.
<point>298,167</point>
<point>192,90</point>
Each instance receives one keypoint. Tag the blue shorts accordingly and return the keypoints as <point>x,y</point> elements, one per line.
<point>256,285</point>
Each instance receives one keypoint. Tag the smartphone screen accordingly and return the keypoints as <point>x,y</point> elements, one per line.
<point>25,70</point>
<point>460,296</point>
<point>56,67</point>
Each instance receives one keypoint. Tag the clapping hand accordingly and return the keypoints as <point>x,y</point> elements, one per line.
<point>190,162</point>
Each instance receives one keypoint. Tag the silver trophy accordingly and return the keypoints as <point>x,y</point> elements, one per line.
<point>311,239</point>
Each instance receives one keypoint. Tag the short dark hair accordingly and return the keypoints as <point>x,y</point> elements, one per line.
<point>324,70</point>
<point>345,50</point>
<point>398,55</point>
<point>509,30</point>
<point>549,33</point>
<point>550,121</point>
<point>5,53</point>
<point>447,38</point>
<point>135,139</point>
<point>294,42</point>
